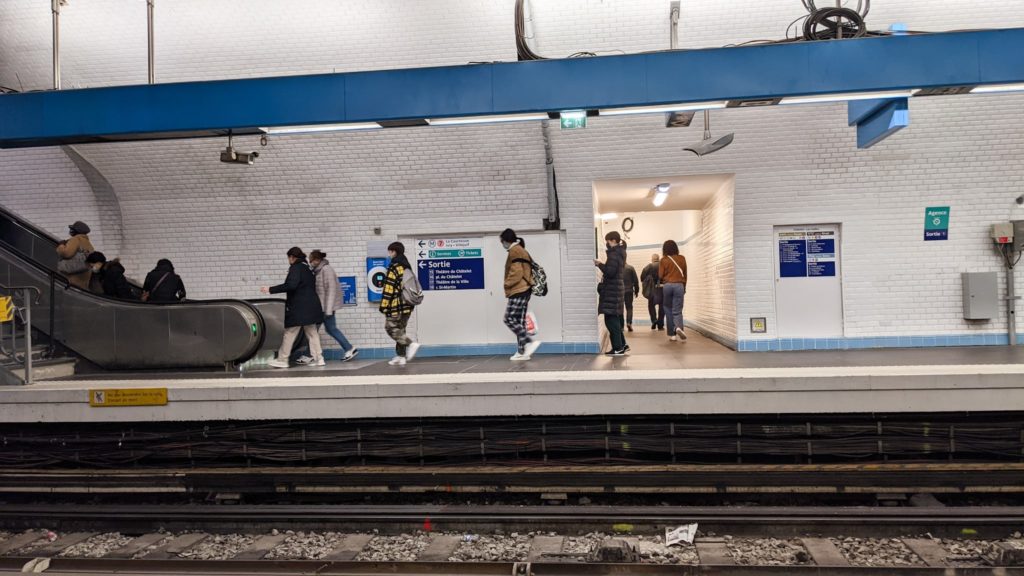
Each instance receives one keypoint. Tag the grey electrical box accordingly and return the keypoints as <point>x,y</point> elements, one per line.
<point>980,295</point>
<point>1018,235</point>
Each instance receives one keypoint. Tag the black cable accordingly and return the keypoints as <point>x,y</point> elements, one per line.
<point>523,50</point>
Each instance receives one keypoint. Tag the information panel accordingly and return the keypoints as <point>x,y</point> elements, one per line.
<point>792,255</point>
<point>347,285</point>
<point>807,254</point>
<point>450,263</point>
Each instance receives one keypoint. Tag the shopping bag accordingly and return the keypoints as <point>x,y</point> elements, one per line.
<point>531,324</point>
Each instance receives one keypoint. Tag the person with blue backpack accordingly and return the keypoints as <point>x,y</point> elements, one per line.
<point>520,284</point>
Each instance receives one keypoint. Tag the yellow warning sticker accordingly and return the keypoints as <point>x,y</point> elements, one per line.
<point>128,397</point>
<point>6,309</point>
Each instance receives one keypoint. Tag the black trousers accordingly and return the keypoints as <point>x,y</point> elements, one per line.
<point>629,308</point>
<point>656,309</point>
<point>614,324</point>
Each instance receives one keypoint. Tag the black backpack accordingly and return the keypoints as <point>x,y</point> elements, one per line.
<point>540,277</point>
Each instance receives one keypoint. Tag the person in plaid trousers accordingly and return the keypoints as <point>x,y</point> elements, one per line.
<point>518,288</point>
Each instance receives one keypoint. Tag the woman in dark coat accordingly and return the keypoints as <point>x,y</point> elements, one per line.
<point>162,284</point>
<point>302,309</point>
<point>612,292</point>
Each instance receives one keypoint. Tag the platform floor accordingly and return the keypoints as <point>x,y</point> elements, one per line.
<point>658,377</point>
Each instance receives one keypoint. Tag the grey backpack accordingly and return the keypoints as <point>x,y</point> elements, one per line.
<point>412,292</point>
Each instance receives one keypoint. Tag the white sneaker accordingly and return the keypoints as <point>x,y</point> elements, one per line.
<point>397,361</point>
<point>350,354</point>
<point>672,338</point>
<point>530,348</point>
<point>321,362</point>
<point>679,332</point>
<point>517,357</point>
<point>411,351</point>
<point>305,360</point>
<point>278,363</point>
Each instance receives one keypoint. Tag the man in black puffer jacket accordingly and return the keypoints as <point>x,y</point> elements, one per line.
<point>612,292</point>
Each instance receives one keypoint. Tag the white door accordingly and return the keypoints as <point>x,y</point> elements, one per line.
<point>808,281</point>
<point>467,309</point>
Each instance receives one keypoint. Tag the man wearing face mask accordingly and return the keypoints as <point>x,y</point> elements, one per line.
<point>108,277</point>
<point>518,288</point>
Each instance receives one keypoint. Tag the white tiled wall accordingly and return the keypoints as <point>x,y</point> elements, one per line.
<point>712,279</point>
<point>226,227</point>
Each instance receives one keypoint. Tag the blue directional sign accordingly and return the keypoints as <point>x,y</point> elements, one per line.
<point>452,274</point>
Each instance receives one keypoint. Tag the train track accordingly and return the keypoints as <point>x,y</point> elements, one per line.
<point>737,520</point>
<point>699,479</point>
<point>62,567</point>
<point>159,552</point>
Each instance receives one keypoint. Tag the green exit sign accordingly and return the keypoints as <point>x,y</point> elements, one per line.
<point>573,119</point>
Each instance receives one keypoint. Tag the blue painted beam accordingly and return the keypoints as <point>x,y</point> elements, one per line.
<point>742,73</point>
<point>888,119</point>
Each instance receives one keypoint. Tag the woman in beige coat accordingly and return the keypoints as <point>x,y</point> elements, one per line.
<point>78,242</point>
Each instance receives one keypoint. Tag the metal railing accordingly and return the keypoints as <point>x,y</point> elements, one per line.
<point>26,293</point>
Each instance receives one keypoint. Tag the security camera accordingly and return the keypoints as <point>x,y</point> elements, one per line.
<point>1020,199</point>
<point>230,156</point>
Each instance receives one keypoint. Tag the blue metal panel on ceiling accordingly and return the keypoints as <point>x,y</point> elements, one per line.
<point>891,118</point>
<point>741,73</point>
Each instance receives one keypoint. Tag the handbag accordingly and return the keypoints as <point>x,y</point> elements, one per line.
<point>74,265</point>
<point>145,293</point>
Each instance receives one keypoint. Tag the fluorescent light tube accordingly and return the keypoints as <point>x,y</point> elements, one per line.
<point>487,119</point>
<point>321,128</point>
<point>997,88</point>
<point>661,108</point>
<point>659,198</point>
<point>606,216</point>
<point>822,98</point>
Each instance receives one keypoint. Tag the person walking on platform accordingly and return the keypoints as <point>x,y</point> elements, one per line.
<point>330,299</point>
<point>631,289</point>
<point>653,292</point>
<point>672,271</point>
<point>162,284</point>
<point>396,309</point>
<point>302,309</point>
<point>72,254</point>
<point>518,289</point>
<point>612,292</point>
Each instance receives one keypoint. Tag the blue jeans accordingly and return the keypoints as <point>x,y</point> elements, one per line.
<point>674,294</point>
<point>331,327</point>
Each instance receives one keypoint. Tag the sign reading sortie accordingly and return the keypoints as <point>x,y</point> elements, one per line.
<point>936,223</point>
<point>450,263</point>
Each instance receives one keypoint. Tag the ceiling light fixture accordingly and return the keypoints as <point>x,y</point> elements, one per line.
<point>660,193</point>
<point>606,216</point>
<point>998,88</point>
<point>321,128</point>
<point>487,119</point>
<point>661,108</point>
<point>825,98</point>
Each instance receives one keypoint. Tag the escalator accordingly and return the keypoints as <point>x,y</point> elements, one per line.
<point>120,334</point>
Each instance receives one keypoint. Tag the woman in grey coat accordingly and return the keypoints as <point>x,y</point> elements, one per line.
<point>330,298</point>
<point>612,292</point>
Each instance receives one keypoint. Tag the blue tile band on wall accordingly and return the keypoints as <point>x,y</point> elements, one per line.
<point>862,343</point>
